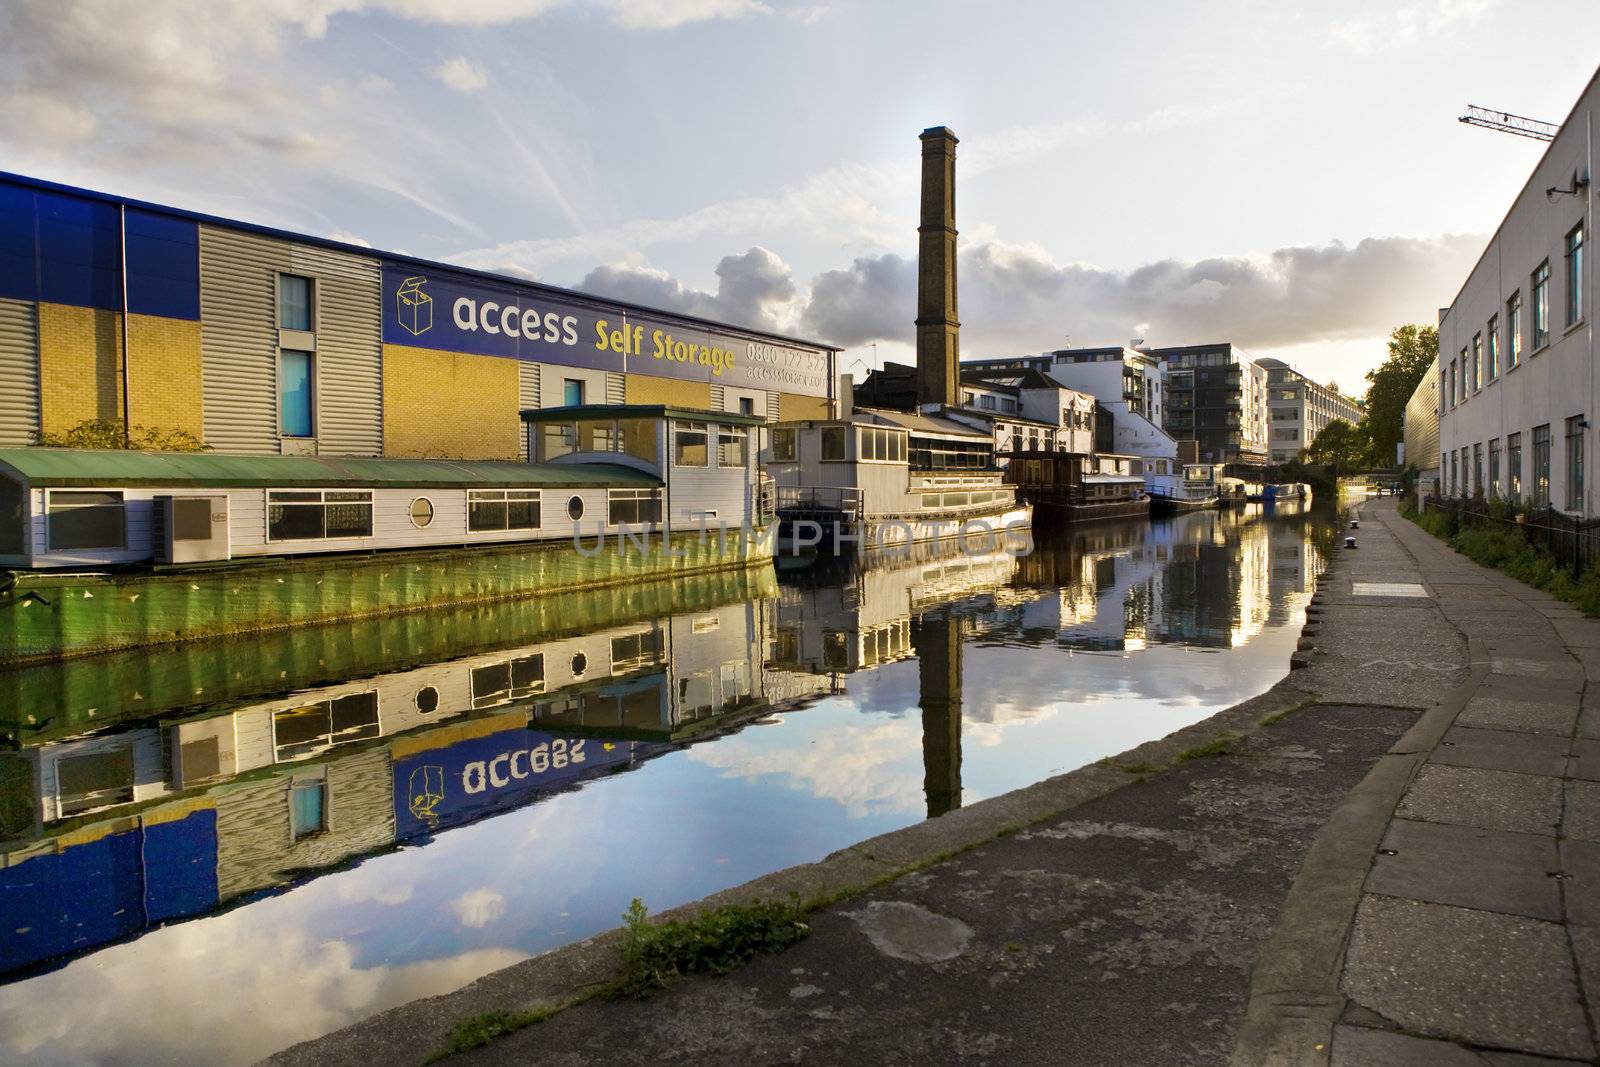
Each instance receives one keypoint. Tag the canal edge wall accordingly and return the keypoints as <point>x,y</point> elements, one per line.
<point>412,1032</point>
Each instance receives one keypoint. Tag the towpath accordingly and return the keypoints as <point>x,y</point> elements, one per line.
<point>1390,857</point>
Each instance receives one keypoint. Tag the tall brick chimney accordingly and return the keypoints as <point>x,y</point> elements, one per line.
<point>938,332</point>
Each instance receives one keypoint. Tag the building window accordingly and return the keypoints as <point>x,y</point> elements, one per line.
<point>733,446</point>
<point>295,389</point>
<point>502,509</point>
<point>1575,463</point>
<point>308,803</point>
<point>1514,330</point>
<point>747,405</point>
<point>1514,466</point>
<point>1494,347</point>
<point>83,519</point>
<point>1477,362</point>
<point>575,508</point>
<point>294,302</point>
<point>1452,383</point>
<point>1455,473</point>
<point>635,507</point>
<point>833,444</point>
<point>571,392</point>
<point>1541,466</point>
<point>314,516</point>
<point>422,513</point>
<point>783,446</point>
<point>690,447</point>
<point>1477,469</point>
<point>1575,275</point>
<point>1466,376</point>
<point>1494,467</point>
<point>1541,305</point>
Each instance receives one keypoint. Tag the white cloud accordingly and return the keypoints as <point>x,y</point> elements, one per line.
<point>1405,25</point>
<point>755,289</point>
<point>460,74</point>
<point>670,14</point>
<point>478,908</point>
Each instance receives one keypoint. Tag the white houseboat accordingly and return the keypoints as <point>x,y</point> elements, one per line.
<point>876,477</point>
<point>1190,487</point>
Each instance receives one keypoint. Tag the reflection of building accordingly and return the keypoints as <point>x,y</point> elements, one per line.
<point>937,637</point>
<point>171,820</point>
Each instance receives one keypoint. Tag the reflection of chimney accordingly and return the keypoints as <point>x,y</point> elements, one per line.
<point>937,641</point>
<point>938,340</point>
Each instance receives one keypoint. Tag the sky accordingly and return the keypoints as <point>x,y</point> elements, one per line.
<point>1287,176</point>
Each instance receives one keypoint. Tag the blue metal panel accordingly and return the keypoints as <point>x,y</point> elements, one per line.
<point>163,265</point>
<point>80,252</point>
<point>19,252</point>
<point>180,875</point>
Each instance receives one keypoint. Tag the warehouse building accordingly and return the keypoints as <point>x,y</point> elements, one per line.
<point>1517,384</point>
<point>259,341</point>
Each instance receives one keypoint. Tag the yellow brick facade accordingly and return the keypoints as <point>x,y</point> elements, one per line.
<point>80,366</point>
<point>648,389</point>
<point>792,407</point>
<point>449,405</point>
<point>164,374</point>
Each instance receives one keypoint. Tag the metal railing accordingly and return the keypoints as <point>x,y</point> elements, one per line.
<point>1574,541</point>
<point>844,499</point>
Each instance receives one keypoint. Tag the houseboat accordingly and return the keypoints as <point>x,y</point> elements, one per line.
<point>876,478</point>
<point>1191,487</point>
<point>113,549</point>
<point>1071,487</point>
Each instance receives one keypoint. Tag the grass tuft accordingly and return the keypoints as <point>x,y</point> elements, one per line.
<point>490,1026</point>
<point>714,942</point>
<point>1222,746</point>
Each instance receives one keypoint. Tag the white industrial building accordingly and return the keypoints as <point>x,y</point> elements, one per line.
<point>1516,375</point>
<point>1299,409</point>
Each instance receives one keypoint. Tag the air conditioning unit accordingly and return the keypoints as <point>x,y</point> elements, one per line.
<point>192,529</point>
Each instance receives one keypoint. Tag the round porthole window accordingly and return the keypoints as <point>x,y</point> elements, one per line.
<point>580,663</point>
<point>575,508</point>
<point>421,512</point>
<point>427,700</point>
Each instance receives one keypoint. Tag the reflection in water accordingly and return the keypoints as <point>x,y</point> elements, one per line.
<point>351,817</point>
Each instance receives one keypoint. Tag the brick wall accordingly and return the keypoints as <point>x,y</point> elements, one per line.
<point>80,366</point>
<point>164,373</point>
<point>449,405</point>
<point>649,389</point>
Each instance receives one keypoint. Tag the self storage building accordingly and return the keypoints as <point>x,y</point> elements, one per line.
<point>260,341</point>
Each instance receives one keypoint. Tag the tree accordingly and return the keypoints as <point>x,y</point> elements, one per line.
<point>1412,350</point>
<point>1339,443</point>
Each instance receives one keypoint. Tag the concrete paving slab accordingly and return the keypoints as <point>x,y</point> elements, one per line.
<point>1586,947</point>
<point>1523,647</point>
<point>1511,873</point>
<point>1589,719</point>
<point>1476,977</point>
<point>1552,666</point>
<point>1582,819</point>
<point>1530,716</point>
<point>1360,1046</point>
<point>1502,750</point>
<point>1494,800</point>
<point>1580,860</point>
<point>1585,760</point>
<point>1579,633</point>
<point>1546,690</point>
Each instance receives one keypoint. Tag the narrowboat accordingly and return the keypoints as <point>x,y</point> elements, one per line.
<point>877,478</point>
<point>1194,488</point>
<point>113,549</point>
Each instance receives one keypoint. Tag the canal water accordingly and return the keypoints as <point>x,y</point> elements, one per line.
<point>211,853</point>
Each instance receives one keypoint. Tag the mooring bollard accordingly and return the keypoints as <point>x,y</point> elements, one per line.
<point>1355,524</point>
<point>1349,542</point>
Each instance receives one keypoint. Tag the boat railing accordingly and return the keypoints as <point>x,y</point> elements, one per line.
<point>766,498</point>
<point>840,498</point>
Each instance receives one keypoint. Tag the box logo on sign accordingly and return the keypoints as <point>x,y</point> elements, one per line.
<point>413,307</point>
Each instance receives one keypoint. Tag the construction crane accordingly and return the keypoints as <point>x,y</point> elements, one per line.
<point>1506,122</point>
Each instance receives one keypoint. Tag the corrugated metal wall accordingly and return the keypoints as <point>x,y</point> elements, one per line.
<point>349,349</point>
<point>239,343</point>
<point>527,397</point>
<point>239,338</point>
<point>19,372</point>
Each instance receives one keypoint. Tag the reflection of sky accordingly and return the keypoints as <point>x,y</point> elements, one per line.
<point>424,919</point>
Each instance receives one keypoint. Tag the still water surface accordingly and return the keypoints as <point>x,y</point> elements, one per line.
<point>213,853</point>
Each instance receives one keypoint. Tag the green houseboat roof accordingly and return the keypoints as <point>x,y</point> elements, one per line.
<point>638,411</point>
<point>212,470</point>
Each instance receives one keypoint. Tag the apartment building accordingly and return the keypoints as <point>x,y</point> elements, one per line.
<point>1298,409</point>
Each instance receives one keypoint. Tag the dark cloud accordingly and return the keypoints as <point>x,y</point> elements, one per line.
<point>754,289</point>
<point>1018,299</point>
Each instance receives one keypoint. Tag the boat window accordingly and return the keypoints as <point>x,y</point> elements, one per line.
<point>783,446</point>
<point>421,512</point>
<point>690,445</point>
<point>637,438</point>
<point>86,520</point>
<point>636,651</point>
<point>312,728</point>
<point>94,780</point>
<point>512,680</point>
<point>314,516</point>
<point>557,439</point>
<point>833,444</point>
<point>574,507</point>
<point>597,436</point>
<point>732,446</point>
<point>308,806</point>
<point>633,506</point>
<point>503,509</point>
